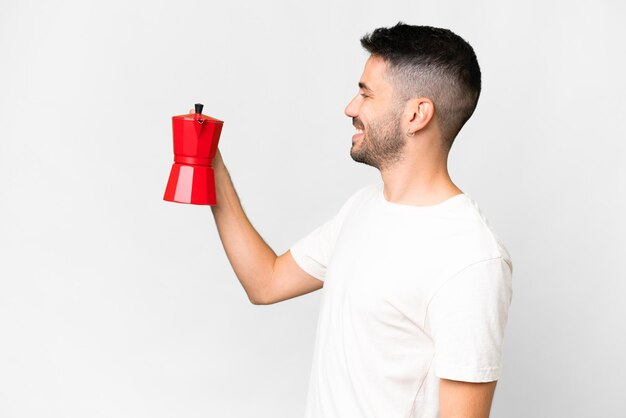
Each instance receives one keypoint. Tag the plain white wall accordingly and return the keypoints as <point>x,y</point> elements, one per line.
<point>114,303</point>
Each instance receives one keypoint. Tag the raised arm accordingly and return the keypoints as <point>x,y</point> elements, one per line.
<point>265,277</point>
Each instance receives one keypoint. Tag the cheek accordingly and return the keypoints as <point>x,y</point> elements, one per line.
<point>364,117</point>
<point>368,123</point>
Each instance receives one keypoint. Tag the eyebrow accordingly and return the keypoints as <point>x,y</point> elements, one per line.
<point>364,86</point>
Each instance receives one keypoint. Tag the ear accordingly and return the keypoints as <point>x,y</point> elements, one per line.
<point>418,112</point>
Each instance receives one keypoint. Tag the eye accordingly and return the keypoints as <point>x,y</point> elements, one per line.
<point>364,95</point>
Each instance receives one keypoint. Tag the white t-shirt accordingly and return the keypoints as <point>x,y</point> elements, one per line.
<point>411,294</point>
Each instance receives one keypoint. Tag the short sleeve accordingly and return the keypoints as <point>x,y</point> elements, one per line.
<point>467,317</point>
<point>312,252</point>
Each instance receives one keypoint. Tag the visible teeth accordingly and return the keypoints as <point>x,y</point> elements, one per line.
<point>359,130</point>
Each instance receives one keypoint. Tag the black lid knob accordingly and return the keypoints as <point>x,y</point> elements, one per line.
<point>199,107</point>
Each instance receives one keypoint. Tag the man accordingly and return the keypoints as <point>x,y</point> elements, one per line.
<point>417,286</point>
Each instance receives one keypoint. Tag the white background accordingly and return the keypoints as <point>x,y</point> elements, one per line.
<point>115,303</point>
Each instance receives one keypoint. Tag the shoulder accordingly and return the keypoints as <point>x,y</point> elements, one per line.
<point>480,237</point>
<point>362,194</point>
<point>368,190</point>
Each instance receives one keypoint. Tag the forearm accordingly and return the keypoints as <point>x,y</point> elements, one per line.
<point>251,258</point>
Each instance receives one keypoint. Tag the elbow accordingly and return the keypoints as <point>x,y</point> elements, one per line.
<point>256,299</point>
<point>253,300</point>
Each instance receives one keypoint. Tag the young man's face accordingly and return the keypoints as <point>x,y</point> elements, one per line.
<point>379,140</point>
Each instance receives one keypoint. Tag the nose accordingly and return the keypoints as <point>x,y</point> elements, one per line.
<point>352,109</point>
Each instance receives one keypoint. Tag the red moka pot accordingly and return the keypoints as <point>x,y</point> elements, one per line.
<point>195,144</point>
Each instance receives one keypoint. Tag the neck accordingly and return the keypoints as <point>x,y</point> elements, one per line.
<point>420,179</point>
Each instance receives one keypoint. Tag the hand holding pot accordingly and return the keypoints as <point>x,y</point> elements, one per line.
<point>217,160</point>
